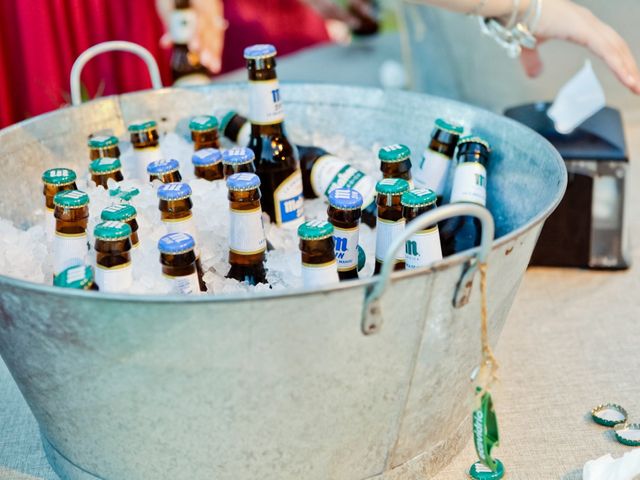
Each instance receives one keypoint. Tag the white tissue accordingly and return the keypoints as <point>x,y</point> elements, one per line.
<point>606,467</point>
<point>578,100</point>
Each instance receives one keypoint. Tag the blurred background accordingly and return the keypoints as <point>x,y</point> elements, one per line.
<point>416,47</point>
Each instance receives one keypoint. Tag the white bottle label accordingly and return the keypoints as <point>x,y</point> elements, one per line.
<point>265,105</point>
<point>432,171</point>
<point>143,157</point>
<point>289,202</point>
<point>50,223</point>
<point>184,225</point>
<point>182,25</point>
<point>329,173</point>
<point>114,279</point>
<point>423,248</point>
<point>244,134</point>
<point>470,184</point>
<point>246,234</point>
<point>386,232</point>
<point>346,247</point>
<point>185,285</point>
<point>69,251</point>
<point>314,276</point>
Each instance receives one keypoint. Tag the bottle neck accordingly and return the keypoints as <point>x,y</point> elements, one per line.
<point>265,104</point>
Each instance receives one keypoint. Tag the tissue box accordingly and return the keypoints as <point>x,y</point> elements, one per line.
<point>589,228</point>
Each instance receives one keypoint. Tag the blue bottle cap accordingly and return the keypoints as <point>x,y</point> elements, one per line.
<point>163,166</point>
<point>345,199</point>
<point>243,181</point>
<point>206,157</point>
<point>257,52</point>
<point>238,156</point>
<point>175,243</point>
<point>174,191</point>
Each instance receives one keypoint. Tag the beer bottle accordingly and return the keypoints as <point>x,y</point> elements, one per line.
<point>175,212</point>
<point>178,262</point>
<point>319,267</point>
<point>123,212</point>
<point>323,172</point>
<point>204,132</point>
<point>113,256</point>
<point>395,162</point>
<point>276,158</point>
<point>390,224</point>
<point>344,213</point>
<point>423,247</point>
<point>145,141</point>
<point>433,170</point>
<point>167,171</point>
<point>236,128</point>
<point>238,160</point>
<point>55,180</point>
<point>103,169</point>
<point>469,185</point>
<point>247,242</point>
<point>207,164</point>
<point>70,245</point>
<point>186,68</point>
<point>79,277</point>
<point>101,146</point>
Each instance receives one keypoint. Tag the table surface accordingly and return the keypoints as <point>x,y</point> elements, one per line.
<point>570,343</point>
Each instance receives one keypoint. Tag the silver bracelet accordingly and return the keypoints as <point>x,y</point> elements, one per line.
<point>516,33</point>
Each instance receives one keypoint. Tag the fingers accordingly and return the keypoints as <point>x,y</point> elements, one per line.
<point>331,11</point>
<point>531,62</point>
<point>209,41</point>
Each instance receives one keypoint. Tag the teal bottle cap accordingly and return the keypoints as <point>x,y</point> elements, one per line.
<point>122,212</point>
<point>420,197</point>
<point>112,231</point>
<point>102,141</point>
<point>102,166</point>
<point>78,276</point>
<point>315,230</point>
<point>609,414</point>
<point>71,199</point>
<point>362,258</point>
<point>448,126</point>
<point>59,176</point>
<point>474,139</point>
<point>142,125</point>
<point>226,119</point>
<point>203,123</point>
<point>479,471</point>
<point>392,186</point>
<point>628,434</point>
<point>394,153</point>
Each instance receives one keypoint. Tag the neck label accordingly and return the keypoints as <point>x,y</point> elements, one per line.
<point>185,285</point>
<point>116,279</point>
<point>386,232</point>
<point>423,248</point>
<point>69,251</point>
<point>314,276</point>
<point>265,104</point>
<point>470,184</point>
<point>185,225</point>
<point>432,171</point>
<point>346,247</point>
<point>246,236</point>
<point>143,157</point>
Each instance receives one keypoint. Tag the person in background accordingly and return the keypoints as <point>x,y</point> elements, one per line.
<point>559,19</point>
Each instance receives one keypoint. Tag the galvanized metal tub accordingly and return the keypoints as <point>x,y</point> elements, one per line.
<point>277,385</point>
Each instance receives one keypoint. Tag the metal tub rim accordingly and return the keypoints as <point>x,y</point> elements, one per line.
<point>452,261</point>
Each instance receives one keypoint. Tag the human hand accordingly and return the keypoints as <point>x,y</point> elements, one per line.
<point>565,20</point>
<point>359,16</point>
<point>208,42</point>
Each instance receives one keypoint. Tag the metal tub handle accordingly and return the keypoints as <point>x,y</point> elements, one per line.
<point>114,46</point>
<point>372,317</point>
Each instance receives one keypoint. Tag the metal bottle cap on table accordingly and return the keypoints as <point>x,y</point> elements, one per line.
<point>609,414</point>
<point>628,434</point>
<point>479,471</point>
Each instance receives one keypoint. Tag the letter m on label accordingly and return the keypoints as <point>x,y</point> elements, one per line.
<point>341,244</point>
<point>275,94</point>
<point>411,248</point>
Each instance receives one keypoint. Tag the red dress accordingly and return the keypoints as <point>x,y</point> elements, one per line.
<point>40,39</point>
